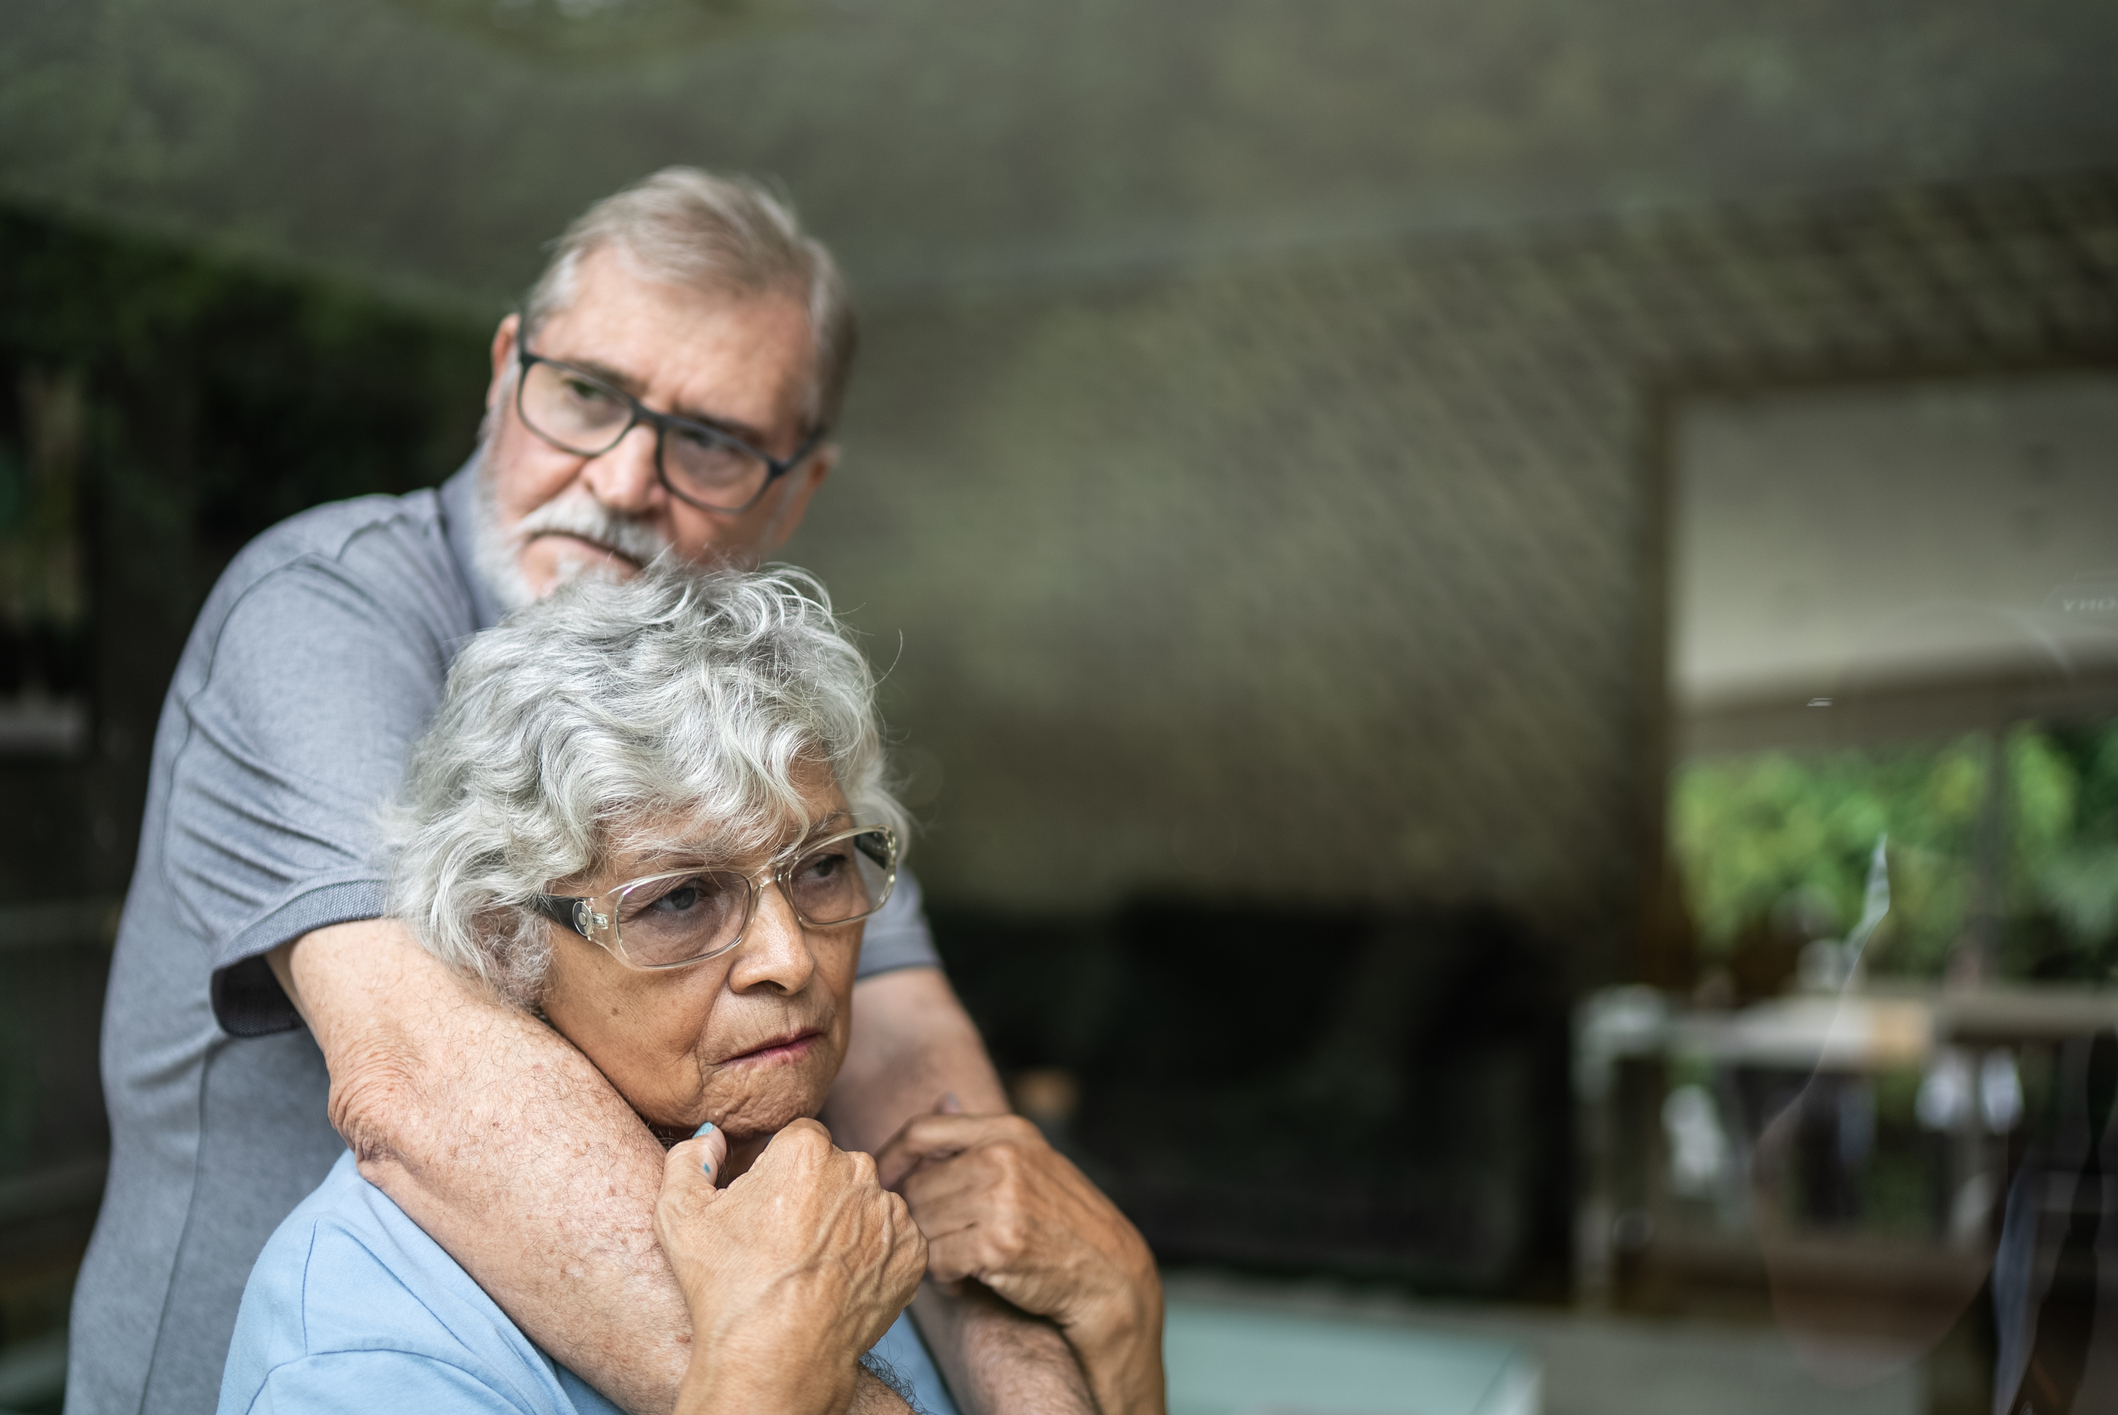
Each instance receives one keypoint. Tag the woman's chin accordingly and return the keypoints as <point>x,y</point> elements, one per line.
<point>759,1114</point>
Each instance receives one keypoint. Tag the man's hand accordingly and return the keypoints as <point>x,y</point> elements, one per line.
<point>999,1205</point>
<point>790,1273</point>
<point>911,1042</point>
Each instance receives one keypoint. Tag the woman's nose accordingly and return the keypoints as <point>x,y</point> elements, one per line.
<point>775,950</point>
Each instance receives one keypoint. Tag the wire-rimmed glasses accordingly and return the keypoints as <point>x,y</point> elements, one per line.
<point>578,412</point>
<point>687,916</point>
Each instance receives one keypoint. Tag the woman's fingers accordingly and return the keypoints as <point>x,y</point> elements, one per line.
<point>688,1191</point>
<point>798,1266</point>
<point>705,1152</point>
<point>797,1154</point>
<point>908,1259</point>
<point>689,1172</point>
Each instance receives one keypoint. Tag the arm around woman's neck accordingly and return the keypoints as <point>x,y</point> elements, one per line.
<point>500,1140</point>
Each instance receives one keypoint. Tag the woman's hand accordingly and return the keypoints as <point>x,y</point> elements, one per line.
<point>790,1273</point>
<point>997,1203</point>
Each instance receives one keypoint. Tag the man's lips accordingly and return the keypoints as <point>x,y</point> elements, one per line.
<point>595,545</point>
<point>790,1047</point>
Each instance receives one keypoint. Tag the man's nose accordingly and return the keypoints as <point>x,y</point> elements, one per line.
<point>775,951</point>
<point>624,478</point>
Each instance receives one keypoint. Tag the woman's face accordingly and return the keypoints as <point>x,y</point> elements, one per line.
<point>750,1039</point>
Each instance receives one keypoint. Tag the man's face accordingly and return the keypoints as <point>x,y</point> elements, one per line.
<point>741,363</point>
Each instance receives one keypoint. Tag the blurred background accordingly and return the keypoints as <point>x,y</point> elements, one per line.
<point>1432,558</point>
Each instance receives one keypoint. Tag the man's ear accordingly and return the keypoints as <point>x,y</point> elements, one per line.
<point>794,502</point>
<point>503,359</point>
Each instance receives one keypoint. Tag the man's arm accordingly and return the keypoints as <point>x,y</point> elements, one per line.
<point>913,1044</point>
<point>500,1140</point>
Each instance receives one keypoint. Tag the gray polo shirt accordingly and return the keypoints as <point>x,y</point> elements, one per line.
<point>317,661</point>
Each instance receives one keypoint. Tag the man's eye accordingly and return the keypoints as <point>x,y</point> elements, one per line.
<point>589,394</point>
<point>700,447</point>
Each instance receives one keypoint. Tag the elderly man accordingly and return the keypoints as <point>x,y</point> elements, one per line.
<point>669,385</point>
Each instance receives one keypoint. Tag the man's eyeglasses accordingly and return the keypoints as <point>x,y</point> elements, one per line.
<point>687,916</point>
<point>577,412</point>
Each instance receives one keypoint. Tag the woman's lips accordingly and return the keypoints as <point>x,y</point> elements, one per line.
<point>791,1047</point>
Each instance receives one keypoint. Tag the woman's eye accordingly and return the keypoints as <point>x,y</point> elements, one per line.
<point>822,866</point>
<point>683,897</point>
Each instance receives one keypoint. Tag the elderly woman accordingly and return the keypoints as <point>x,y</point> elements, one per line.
<point>654,814</point>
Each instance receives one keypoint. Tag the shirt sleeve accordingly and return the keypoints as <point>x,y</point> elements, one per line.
<point>365,1382</point>
<point>294,726</point>
<point>898,936</point>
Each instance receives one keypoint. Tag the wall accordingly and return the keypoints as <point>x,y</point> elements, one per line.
<point>436,143</point>
<point>1339,579</point>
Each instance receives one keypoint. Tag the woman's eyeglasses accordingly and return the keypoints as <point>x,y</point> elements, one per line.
<point>687,916</point>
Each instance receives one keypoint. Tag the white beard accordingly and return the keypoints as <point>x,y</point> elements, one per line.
<point>497,551</point>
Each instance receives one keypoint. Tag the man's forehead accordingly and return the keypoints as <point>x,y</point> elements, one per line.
<point>728,357</point>
<point>612,302</point>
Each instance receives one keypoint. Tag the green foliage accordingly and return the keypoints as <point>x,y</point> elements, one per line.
<point>1772,834</point>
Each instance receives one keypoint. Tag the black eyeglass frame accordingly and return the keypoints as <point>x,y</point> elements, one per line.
<point>775,467</point>
<point>595,916</point>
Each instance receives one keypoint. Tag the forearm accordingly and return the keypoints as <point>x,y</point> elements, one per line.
<point>872,1397</point>
<point>503,1143</point>
<point>1120,1349</point>
<point>997,1358</point>
<point>768,1382</point>
<point>861,1392</point>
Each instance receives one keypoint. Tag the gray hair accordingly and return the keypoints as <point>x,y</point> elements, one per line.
<point>671,709</point>
<point>685,227</point>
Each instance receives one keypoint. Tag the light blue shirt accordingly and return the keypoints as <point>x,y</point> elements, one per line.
<point>353,1308</point>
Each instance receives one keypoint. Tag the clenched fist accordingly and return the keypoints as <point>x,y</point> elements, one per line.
<point>790,1273</point>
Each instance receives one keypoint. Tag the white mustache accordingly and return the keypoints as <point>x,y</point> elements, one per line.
<point>582,516</point>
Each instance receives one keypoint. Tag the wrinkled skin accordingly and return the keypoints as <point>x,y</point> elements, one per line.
<point>790,1273</point>
<point>1001,1207</point>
